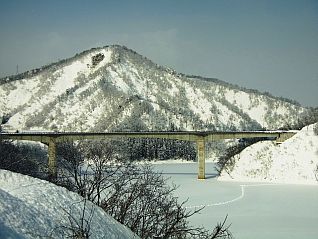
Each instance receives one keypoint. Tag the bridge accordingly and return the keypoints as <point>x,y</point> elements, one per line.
<point>199,137</point>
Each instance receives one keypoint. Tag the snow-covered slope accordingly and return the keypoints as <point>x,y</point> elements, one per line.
<point>114,88</point>
<point>293,161</point>
<point>33,208</point>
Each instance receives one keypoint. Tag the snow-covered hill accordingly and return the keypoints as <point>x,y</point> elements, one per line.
<point>293,161</point>
<point>33,208</point>
<point>114,88</point>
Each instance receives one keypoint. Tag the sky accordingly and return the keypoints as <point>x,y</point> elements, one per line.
<point>269,45</point>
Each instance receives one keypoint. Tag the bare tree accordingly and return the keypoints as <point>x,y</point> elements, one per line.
<point>134,195</point>
<point>221,231</point>
<point>78,222</point>
<point>17,158</point>
<point>147,206</point>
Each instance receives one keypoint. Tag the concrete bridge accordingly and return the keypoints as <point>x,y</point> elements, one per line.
<point>199,137</point>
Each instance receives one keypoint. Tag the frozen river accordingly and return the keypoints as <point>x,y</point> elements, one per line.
<point>255,210</point>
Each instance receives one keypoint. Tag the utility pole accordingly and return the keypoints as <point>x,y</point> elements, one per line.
<point>17,69</point>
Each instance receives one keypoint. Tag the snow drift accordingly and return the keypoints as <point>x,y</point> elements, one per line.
<point>33,208</point>
<point>293,161</point>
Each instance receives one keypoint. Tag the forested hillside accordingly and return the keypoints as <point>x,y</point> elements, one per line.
<point>114,88</point>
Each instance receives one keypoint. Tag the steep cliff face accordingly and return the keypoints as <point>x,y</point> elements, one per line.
<point>114,88</point>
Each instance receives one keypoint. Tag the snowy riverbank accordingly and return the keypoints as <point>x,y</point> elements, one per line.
<point>294,161</point>
<point>255,210</point>
<point>33,208</point>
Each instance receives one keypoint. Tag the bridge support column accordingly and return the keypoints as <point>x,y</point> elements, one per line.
<point>283,137</point>
<point>52,159</point>
<point>201,158</point>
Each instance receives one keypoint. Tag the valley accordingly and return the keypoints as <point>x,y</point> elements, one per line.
<point>148,114</point>
<point>159,119</point>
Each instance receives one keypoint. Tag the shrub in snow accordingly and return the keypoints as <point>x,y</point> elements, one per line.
<point>79,226</point>
<point>133,194</point>
<point>97,58</point>
<point>316,128</point>
<point>18,158</point>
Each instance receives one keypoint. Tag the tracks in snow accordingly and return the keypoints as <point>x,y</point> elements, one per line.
<point>243,186</point>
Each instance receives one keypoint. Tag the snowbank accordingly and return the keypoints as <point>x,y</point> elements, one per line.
<point>33,208</point>
<point>294,161</point>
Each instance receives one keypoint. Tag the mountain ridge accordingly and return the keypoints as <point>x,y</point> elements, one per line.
<point>34,72</point>
<point>113,87</point>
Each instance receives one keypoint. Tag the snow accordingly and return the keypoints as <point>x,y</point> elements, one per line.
<point>33,208</point>
<point>40,90</point>
<point>294,161</point>
<point>278,201</point>
<point>24,87</point>
<point>244,101</point>
<point>131,74</point>
<point>255,106</point>
<point>174,89</point>
<point>198,104</point>
<point>224,114</point>
<point>107,57</point>
<point>119,82</point>
<point>255,210</point>
<point>68,74</point>
<point>61,89</point>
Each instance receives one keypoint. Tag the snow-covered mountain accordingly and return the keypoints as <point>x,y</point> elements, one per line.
<point>293,161</point>
<point>114,88</point>
<point>33,208</point>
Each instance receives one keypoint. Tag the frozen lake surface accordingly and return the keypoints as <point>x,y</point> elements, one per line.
<point>255,210</point>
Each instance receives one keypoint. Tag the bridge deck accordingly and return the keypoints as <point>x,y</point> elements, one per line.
<point>200,137</point>
<point>177,135</point>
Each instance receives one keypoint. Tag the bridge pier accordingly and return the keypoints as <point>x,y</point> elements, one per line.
<point>52,159</point>
<point>51,138</point>
<point>283,137</point>
<point>201,157</point>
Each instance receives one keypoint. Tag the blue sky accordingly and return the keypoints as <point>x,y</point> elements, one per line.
<point>269,45</point>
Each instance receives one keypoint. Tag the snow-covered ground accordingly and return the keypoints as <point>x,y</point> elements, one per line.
<point>294,161</point>
<point>33,208</point>
<point>255,210</point>
<point>273,192</point>
<point>287,208</point>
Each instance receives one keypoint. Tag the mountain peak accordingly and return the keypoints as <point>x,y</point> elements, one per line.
<point>115,88</point>
<point>115,54</point>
